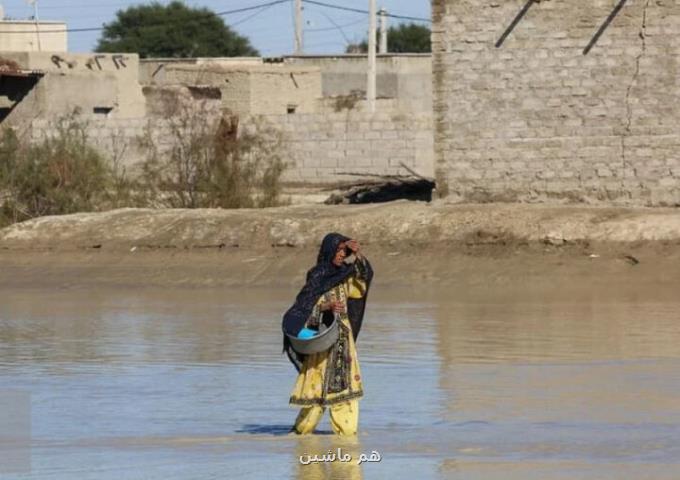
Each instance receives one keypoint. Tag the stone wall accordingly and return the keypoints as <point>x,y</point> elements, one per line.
<point>326,144</point>
<point>323,137</point>
<point>532,116</point>
<point>319,147</point>
<point>117,138</point>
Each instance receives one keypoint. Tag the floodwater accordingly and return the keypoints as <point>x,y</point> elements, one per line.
<point>497,384</point>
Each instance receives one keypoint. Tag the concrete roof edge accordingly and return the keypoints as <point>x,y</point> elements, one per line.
<point>357,55</point>
<point>197,59</point>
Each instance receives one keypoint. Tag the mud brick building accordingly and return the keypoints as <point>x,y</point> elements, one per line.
<point>554,100</point>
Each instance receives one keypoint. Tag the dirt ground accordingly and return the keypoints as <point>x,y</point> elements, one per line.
<point>409,243</point>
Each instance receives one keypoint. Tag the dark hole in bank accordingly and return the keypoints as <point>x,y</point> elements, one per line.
<point>102,110</point>
<point>382,189</point>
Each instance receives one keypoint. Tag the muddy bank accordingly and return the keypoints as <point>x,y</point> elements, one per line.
<point>416,223</point>
<point>411,243</point>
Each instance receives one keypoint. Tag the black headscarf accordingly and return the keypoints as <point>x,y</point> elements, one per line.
<point>320,279</point>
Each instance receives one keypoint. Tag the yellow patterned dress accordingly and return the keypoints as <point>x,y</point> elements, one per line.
<point>332,378</point>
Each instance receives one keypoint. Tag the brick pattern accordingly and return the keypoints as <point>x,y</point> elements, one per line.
<point>324,145</point>
<point>117,138</point>
<point>319,146</point>
<point>537,120</point>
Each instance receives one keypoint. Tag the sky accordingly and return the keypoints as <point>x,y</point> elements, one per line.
<point>270,30</point>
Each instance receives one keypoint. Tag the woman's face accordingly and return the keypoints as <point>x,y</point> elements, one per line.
<point>340,254</point>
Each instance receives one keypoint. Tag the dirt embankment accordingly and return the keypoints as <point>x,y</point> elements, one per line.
<point>409,241</point>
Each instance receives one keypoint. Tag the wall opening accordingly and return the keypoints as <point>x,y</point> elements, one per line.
<point>13,89</point>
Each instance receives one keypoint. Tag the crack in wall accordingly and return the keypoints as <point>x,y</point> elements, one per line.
<point>633,82</point>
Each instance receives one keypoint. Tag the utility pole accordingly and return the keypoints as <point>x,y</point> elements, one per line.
<point>370,89</point>
<point>37,22</point>
<point>298,28</point>
<point>383,30</point>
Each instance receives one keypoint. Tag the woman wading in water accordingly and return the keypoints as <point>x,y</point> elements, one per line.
<point>336,287</point>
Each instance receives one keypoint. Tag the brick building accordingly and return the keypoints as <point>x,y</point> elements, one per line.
<point>548,100</point>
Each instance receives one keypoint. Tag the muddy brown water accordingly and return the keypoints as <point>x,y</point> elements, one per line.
<point>497,383</point>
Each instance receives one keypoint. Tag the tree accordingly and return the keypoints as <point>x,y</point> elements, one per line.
<point>172,30</point>
<point>404,38</point>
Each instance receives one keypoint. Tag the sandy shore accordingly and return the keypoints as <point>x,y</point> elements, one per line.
<point>410,243</point>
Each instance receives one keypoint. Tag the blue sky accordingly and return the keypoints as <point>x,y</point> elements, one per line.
<point>270,30</point>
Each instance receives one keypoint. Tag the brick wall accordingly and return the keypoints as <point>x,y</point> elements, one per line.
<point>537,119</point>
<point>117,138</point>
<point>324,145</point>
<point>318,146</point>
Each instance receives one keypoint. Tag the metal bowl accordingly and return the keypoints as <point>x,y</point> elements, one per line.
<point>318,343</point>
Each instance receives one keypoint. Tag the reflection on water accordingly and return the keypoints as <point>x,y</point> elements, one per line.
<point>465,384</point>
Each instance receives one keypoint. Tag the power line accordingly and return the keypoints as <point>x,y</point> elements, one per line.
<point>105,5</point>
<point>255,7</point>
<point>342,32</point>
<point>99,5</point>
<point>356,22</point>
<point>262,6</point>
<point>251,16</point>
<point>358,10</point>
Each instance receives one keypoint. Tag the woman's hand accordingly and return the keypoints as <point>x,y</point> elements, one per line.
<point>334,306</point>
<point>355,247</point>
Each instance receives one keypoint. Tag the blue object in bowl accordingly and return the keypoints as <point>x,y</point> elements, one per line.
<point>307,333</point>
<point>316,342</point>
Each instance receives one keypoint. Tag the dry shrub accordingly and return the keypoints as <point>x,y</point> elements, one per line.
<point>200,161</point>
<point>61,174</point>
<point>206,161</point>
<point>347,102</point>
